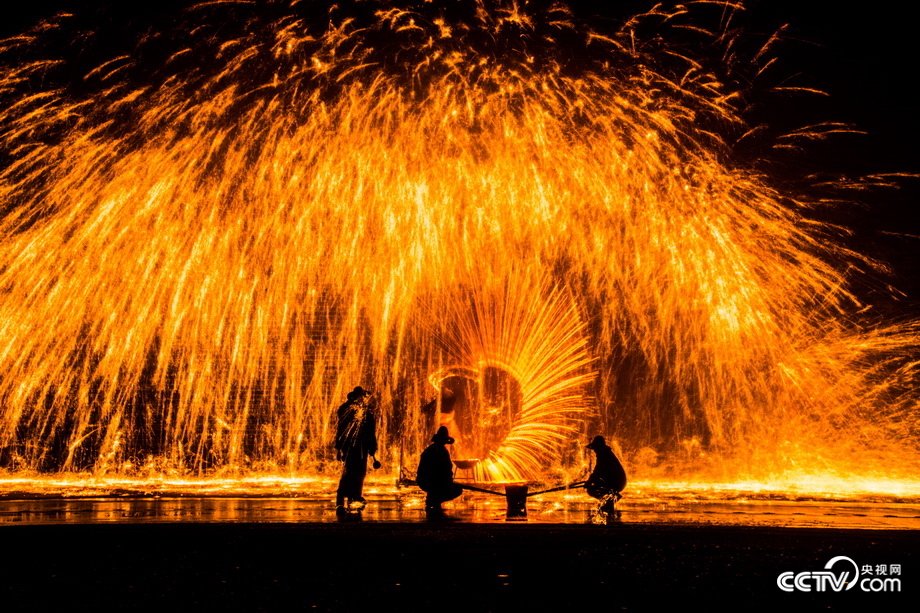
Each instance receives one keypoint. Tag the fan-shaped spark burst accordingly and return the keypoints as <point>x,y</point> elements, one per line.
<point>515,375</point>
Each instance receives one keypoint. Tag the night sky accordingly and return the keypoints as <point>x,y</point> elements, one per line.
<point>865,59</point>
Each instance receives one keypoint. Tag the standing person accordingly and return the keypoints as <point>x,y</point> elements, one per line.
<point>355,440</point>
<point>435,474</point>
<point>608,478</point>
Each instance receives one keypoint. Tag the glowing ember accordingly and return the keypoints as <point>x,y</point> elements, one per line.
<point>201,255</point>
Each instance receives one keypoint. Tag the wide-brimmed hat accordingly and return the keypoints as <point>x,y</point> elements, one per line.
<point>442,436</point>
<point>358,392</point>
<point>597,443</point>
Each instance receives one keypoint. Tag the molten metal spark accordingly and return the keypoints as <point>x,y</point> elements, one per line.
<point>525,396</point>
<point>202,254</point>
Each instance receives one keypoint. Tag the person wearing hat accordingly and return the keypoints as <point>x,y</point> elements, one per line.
<point>435,475</point>
<point>608,478</point>
<point>355,440</point>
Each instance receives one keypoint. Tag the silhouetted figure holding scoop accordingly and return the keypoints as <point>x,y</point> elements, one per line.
<point>608,478</point>
<point>355,440</point>
<point>435,474</point>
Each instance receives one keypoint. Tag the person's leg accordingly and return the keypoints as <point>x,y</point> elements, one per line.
<point>342,490</point>
<point>358,487</point>
<point>609,504</point>
<point>597,491</point>
<point>439,496</point>
<point>452,492</point>
<point>352,482</point>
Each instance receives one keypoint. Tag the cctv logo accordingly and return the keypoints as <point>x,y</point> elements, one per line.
<point>844,579</point>
<point>821,580</point>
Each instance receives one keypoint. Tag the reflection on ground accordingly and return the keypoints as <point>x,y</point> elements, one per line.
<point>310,501</point>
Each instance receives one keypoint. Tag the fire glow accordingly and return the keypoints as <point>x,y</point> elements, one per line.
<point>202,254</point>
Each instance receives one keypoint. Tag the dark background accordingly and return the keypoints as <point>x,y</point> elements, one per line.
<point>469,568</point>
<point>863,58</point>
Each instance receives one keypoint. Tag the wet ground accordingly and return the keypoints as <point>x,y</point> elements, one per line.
<point>274,553</point>
<point>476,508</point>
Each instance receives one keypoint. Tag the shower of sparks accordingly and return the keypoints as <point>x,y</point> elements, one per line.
<point>539,343</point>
<point>201,252</point>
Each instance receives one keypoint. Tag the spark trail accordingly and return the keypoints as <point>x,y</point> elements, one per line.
<point>207,240</point>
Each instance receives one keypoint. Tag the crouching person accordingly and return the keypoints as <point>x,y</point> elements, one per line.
<point>435,474</point>
<point>608,478</point>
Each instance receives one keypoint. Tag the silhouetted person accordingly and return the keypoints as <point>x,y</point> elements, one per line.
<point>608,478</point>
<point>355,440</point>
<point>435,474</point>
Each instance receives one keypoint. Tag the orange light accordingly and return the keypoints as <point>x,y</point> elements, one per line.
<point>193,274</point>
